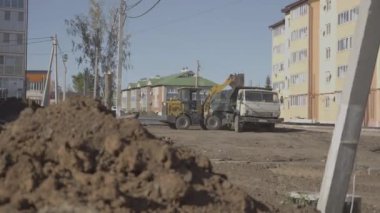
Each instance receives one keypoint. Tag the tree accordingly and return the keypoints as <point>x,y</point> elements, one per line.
<point>268,83</point>
<point>96,35</point>
<point>83,83</point>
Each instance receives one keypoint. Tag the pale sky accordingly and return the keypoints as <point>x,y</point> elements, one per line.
<point>226,36</point>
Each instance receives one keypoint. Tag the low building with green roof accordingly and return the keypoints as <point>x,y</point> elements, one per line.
<point>148,94</point>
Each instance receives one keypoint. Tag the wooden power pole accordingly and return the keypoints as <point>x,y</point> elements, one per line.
<point>342,153</point>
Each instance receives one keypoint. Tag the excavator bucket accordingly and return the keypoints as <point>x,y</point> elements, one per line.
<point>236,80</point>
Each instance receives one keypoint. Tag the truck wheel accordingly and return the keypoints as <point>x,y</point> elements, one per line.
<point>182,122</point>
<point>213,123</point>
<point>237,125</point>
<point>203,125</point>
<point>172,126</point>
<point>270,127</point>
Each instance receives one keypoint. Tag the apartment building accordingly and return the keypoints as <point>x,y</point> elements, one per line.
<point>319,36</point>
<point>13,33</point>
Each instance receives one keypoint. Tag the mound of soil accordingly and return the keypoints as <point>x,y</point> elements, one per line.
<point>76,157</point>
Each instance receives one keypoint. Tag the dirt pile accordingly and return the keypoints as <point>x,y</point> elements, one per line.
<point>75,157</point>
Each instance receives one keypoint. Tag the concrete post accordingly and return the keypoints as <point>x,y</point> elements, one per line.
<point>55,43</point>
<point>46,96</point>
<point>342,153</point>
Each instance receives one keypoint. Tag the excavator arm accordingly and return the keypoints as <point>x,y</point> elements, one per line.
<point>230,81</point>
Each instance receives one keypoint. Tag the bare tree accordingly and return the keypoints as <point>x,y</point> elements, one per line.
<point>94,39</point>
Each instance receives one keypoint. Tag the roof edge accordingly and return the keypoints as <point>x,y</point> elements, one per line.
<point>291,6</point>
<point>279,23</point>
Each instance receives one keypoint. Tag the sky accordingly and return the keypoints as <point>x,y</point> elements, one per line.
<point>226,36</point>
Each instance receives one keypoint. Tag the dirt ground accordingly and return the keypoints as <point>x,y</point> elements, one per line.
<point>268,165</point>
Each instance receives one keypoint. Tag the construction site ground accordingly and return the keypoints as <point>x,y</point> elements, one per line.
<point>268,165</point>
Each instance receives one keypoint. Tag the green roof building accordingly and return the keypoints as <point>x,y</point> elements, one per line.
<point>148,94</point>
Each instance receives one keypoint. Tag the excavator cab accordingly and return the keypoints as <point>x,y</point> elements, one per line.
<point>185,110</point>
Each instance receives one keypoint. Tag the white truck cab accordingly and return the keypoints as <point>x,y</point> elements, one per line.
<point>257,107</point>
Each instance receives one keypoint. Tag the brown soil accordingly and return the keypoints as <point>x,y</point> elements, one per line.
<point>76,157</point>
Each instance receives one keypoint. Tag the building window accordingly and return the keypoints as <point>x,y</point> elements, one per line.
<point>278,67</point>
<point>297,79</point>
<point>301,33</point>
<point>298,56</point>
<point>278,31</point>
<point>348,16</point>
<point>328,29</point>
<point>20,4</point>
<point>279,85</point>
<point>328,53</point>
<point>7,3</point>
<point>328,5</point>
<point>6,38</point>
<point>342,71</point>
<point>298,100</point>
<point>19,39</point>
<point>14,4</point>
<point>300,11</point>
<point>1,59</point>
<point>279,49</point>
<point>328,77</point>
<point>20,16</point>
<point>7,15</point>
<point>327,102</point>
<point>344,44</point>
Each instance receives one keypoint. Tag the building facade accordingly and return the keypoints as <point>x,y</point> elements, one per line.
<point>35,84</point>
<point>13,45</point>
<point>318,37</point>
<point>148,95</point>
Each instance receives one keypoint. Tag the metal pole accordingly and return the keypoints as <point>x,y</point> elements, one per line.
<point>119,55</point>
<point>46,97</point>
<point>56,68</point>
<point>343,148</point>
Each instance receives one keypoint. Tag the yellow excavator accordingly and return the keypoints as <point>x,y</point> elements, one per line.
<point>188,109</point>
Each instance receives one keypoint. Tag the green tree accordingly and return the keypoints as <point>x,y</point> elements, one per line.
<point>83,83</point>
<point>268,82</point>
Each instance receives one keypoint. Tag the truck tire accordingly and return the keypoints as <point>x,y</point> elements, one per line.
<point>172,126</point>
<point>237,125</point>
<point>202,124</point>
<point>270,127</point>
<point>182,122</point>
<point>213,123</point>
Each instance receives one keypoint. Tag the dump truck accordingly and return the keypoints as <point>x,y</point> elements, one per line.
<point>242,107</point>
<point>236,108</point>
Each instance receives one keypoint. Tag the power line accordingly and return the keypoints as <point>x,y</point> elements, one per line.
<point>29,39</point>
<point>146,12</point>
<point>184,18</point>
<point>133,6</point>
<point>28,43</point>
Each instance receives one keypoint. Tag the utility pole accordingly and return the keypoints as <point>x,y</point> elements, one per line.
<point>343,148</point>
<point>64,60</point>
<point>56,67</point>
<point>122,17</point>
<point>96,73</point>
<point>46,95</point>
<point>197,76</point>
